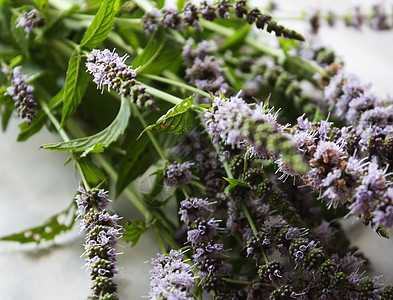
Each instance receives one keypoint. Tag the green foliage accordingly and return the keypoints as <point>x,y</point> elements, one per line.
<point>160,52</point>
<point>77,78</point>
<point>133,231</point>
<point>55,225</point>
<point>75,85</point>
<point>235,183</point>
<point>97,142</point>
<point>100,27</point>
<point>176,120</point>
<point>234,41</point>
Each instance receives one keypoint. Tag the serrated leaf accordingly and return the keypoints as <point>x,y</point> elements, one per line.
<point>55,225</point>
<point>96,148</point>
<point>35,126</point>
<point>75,85</point>
<point>233,183</point>
<point>105,137</point>
<point>133,231</point>
<point>150,52</point>
<point>176,120</point>
<point>100,27</point>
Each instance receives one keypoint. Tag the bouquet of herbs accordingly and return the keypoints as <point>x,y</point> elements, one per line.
<point>255,133</point>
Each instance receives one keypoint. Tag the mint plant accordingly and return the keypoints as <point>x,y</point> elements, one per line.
<point>259,168</point>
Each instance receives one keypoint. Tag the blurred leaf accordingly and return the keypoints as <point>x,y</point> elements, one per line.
<point>133,231</point>
<point>6,52</point>
<point>42,5</point>
<point>35,126</point>
<point>151,51</point>
<point>166,57</point>
<point>180,4</point>
<point>105,137</point>
<point>100,27</point>
<point>176,120</point>
<point>75,85</point>
<point>96,148</point>
<point>159,3</point>
<point>234,41</point>
<point>55,225</point>
<point>287,44</point>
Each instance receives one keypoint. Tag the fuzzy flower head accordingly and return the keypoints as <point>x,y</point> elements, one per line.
<point>102,233</point>
<point>177,174</point>
<point>22,94</point>
<point>171,277</point>
<point>30,20</point>
<point>109,69</point>
<point>95,198</point>
<point>192,209</point>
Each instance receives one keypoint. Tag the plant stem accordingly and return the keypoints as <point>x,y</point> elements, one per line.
<point>151,136</point>
<point>237,281</point>
<point>160,242</point>
<point>65,137</point>
<point>162,95</point>
<point>176,83</point>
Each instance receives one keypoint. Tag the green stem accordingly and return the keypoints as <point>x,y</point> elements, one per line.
<point>162,95</point>
<point>176,83</point>
<point>65,137</point>
<point>160,241</point>
<point>151,136</point>
<point>277,53</point>
<point>237,281</point>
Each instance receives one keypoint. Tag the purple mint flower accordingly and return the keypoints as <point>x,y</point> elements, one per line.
<point>109,69</point>
<point>22,94</point>
<point>171,18</point>
<point>30,20</point>
<point>373,187</point>
<point>101,239</point>
<point>95,198</point>
<point>191,15</point>
<point>171,277</point>
<point>192,209</point>
<point>379,17</point>
<point>177,174</point>
<point>202,230</point>
<point>150,21</point>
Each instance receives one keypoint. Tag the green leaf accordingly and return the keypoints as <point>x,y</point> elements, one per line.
<point>287,44</point>
<point>35,126</point>
<point>42,5</point>
<point>93,174</point>
<point>233,183</point>
<point>236,39</point>
<point>100,27</point>
<point>55,225</point>
<point>151,51</point>
<point>180,4</point>
<point>105,137</point>
<point>96,148</point>
<point>165,58</point>
<point>176,120</point>
<point>75,85</point>
<point>133,231</point>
